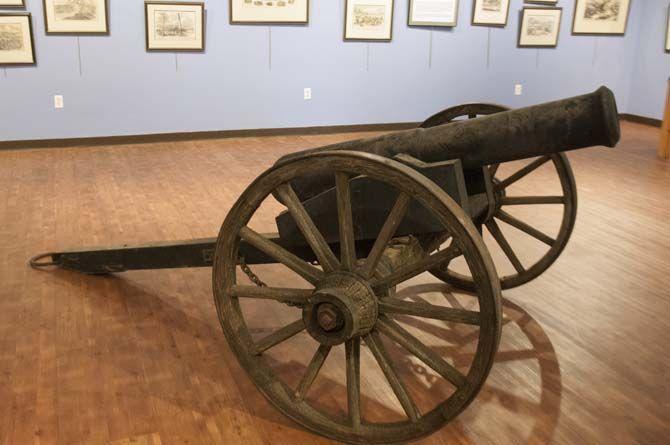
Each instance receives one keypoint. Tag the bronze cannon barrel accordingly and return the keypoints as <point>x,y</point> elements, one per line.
<point>568,124</point>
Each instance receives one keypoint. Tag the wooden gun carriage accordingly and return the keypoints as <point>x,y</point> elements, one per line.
<point>363,217</point>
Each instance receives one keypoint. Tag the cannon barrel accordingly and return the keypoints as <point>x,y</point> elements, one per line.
<point>568,124</point>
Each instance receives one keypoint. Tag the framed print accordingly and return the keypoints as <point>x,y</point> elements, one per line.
<point>368,20</point>
<point>269,11</point>
<point>12,3</point>
<point>76,16</point>
<point>490,12</point>
<point>667,34</point>
<point>16,39</point>
<point>608,17</point>
<point>174,26</point>
<point>540,27</point>
<point>433,13</point>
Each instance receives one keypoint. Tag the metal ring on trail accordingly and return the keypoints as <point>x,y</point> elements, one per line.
<point>35,262</point>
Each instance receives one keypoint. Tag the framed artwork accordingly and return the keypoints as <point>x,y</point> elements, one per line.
<point>12,3</point>
<point>269,12</point>
<point>76,17</point>
<point>16,39</point>
<point>667,34</point>
<point>174,26</point>
<point>540,27</point>
<point>490,12</point>
<point>433,13</point>
<point>370,20</point>
<point>608,17</point>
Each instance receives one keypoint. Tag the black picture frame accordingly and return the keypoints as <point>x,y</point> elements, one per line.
<point>357,39</point>
<point>586,33</point>
<point>410,7</point>
<point>6,5</point>
<point>29,18</point>
<point>522,14</point>
<point>232,21</point>
<point>487,24</point>
<point>76,33</point>
<point>200,5</point>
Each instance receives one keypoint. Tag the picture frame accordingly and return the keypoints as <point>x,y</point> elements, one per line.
<point>174,26</point>
<point>542,2</point>
<point>539,27</point>
<point>601,17</point>
<point>17,42</point>
<point>667,34</point>
<point>494,13</point>
<point>76,17</point>
<point>368,20</point>
<point>422,13</point>
<point>269,12</point>
<point>12,3</point>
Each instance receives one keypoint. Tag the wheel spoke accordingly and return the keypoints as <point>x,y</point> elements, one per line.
<point>531,200</point>
<point>353,355</point>
<point>504,245</point>
<point>377,348</point>
<point>493,169</point>
<point>386,233</point>
<point>532,231</point>
<point>284,295</point>
<point>523,172</point>
<point>406,272</point>
<point>316,241</point>
<point>347,244</point>
<point>296,264</point>
<point>312,371</point>
<point>279,336</point>
<point>427,310</point>
<point>396,333</point>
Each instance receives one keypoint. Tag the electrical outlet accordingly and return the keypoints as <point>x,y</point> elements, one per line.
<point>518,89</point>
<point>308,94</point>
<point>58,102</point>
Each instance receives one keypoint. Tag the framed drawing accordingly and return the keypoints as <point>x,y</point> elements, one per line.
<point>174,26</point>
<point>433,13</point>
<point>667,34</point>
<point>608,17</point>
<point>269,12</point>
<point>16,39</point>
<point>76,17</point>
<point>370,20</point>
<point>540,27</point>
<point>12,3</point>
<point>490,12</point>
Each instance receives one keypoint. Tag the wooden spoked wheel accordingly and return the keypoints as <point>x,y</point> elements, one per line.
<point>348,303</point>
<point>552,245</point>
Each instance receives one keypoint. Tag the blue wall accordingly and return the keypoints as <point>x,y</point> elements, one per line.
<point>253,76</point>
<point>651,62</point>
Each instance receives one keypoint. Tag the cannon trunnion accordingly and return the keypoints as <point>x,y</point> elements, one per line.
<point>364,217</point>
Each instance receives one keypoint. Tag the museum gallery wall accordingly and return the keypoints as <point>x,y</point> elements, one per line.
<point>426,36</point>
<point>180,26</point>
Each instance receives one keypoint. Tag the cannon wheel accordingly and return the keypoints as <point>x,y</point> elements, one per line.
<point>524,273</point>
<point>357,291</point>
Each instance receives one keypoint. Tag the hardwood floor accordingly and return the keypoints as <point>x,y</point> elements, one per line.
<point>139,358</point>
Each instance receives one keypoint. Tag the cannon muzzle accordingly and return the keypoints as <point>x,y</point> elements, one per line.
<point>568,124</point>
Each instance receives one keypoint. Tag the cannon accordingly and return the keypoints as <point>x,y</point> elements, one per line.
<point>362,218</point>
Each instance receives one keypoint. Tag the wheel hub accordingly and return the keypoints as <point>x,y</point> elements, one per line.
<point>343,306</point>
